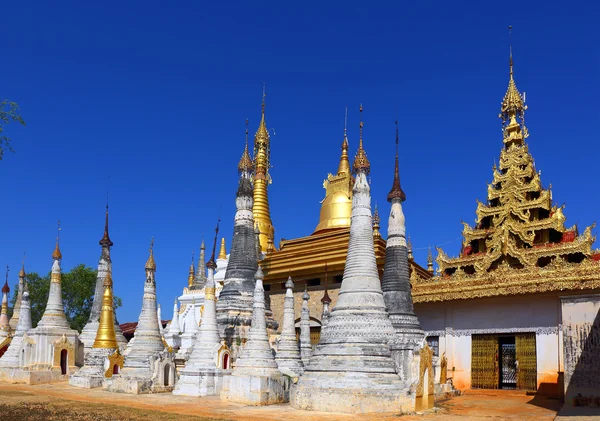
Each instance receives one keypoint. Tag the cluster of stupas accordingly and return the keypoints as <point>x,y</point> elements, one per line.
<point>222,340</point>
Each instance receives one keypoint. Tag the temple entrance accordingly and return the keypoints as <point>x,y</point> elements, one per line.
<point>508,363</point>
<point>116,369</point>
<point>225,361</point>
<point>64,354</point>
<point>504,362</point>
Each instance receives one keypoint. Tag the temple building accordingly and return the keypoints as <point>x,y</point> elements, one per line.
<point>494,311</point>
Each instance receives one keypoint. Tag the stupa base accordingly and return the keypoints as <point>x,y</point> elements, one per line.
<point>256,390</point>
<point>134,385</point>
<point>351,392</point>
<point>208,382</point>
<point>20,376</point>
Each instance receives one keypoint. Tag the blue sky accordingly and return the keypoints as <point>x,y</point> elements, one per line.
<point>156,96</point>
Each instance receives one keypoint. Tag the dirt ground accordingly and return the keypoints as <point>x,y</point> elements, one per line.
<point>60,402</point>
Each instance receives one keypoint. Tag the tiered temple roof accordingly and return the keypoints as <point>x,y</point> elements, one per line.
<point>519,243</point>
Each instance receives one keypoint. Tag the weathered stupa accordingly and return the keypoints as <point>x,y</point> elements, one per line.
<point>149,367</point>
<point>234,307</point>
<point>306,350</point>
<point>104,359</point>
<point>352,369</point>
<point>288,353</point>
<point>396,287</point>
<point>14,320</point>
<point>209,360</point>
<point>256,380</point>
<point>188,337</point>
<point>88,334</point>
<point>14,355</point>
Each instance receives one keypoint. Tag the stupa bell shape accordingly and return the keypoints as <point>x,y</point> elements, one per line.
<point>200,275</point>
<point>288,352</point>
<point>172,336</point>
<point>88,334</point>
<point>352,369</point>
<point>306,350</point>
<point>5,329</point>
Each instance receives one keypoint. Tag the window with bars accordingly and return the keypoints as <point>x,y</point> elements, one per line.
<point>434,344</point>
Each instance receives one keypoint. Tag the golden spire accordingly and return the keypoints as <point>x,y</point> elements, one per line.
<point>361,162</point>
<point>105,241</point>
<point>410,251</point>
<point>326,298</point>
<point>22,271</point>
<point>150,263</point>
<point>429,261</point>
<point>106,336</point>
<point>344,167</point>
<point>396,192</point>
<point>376,220</point>
<point>192,273</point>
<point>246,165</point>
<point>513,108</point>
<point>262,179</point>
<point>222,250</point>
<point>57,255</point>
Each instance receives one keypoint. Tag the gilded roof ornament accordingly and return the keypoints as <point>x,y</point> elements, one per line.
<point>361,162</point>
<point>396,192</point>
<point>105,241</point>
<point>150,263</point>
<point>429,261</point>
<point>56,254</point>
<point>246,165</point>
<point>376,221</point>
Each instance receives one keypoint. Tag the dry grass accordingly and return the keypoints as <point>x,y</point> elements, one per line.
<point>23,406</point>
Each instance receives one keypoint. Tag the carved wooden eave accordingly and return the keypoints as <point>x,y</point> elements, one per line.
<point>507,281</point>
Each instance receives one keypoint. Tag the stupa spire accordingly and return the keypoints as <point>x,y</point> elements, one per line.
<point>326,301</point>
<point>14,320</point>
<point>262,179</point>
<point>200,277</point>
<point>353,349</point>
<point>90,330</point>
<point>395,283</point>
<point>361,162</point>
<point>246,165</point>
<point>306,350</point>
<point>4,322</point>
<point>54,314</point>
<point>191,273</point>
<point>12,356</point>
<point>222,250</point>
<point>288,354</point>
<point>344,167</point>
<point>106,336</point>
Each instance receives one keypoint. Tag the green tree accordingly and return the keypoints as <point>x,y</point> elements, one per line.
<point>9,111</point>
<point>78,287</point>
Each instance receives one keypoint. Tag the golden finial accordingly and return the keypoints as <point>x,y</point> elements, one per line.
<point>410,251</point>
<point>222,250</point>
<point>57,255</point>
<point>245,165</point>
<point>191,272</point>
<point>429,261</point>
<point>270,245</point>
<point>22,271</point>
<point>150,264</point>
<point>513,106</point>
<point>344,167</point>
<point>376,220</point>
<point>105,241</point>
<point>396,192</point>
<point>361,162</point>
<point>6,288</point>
